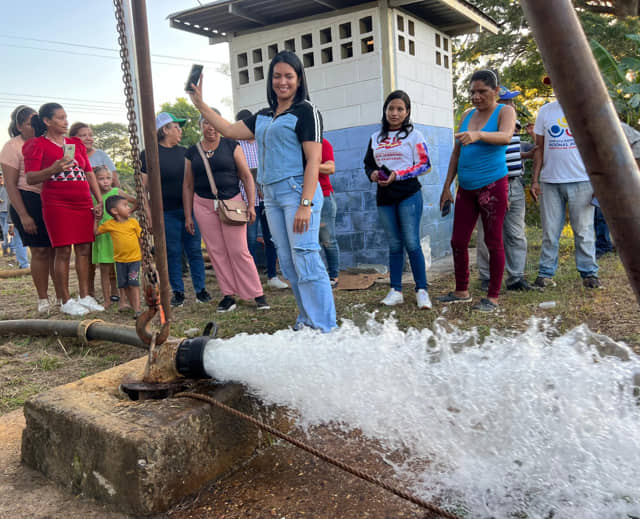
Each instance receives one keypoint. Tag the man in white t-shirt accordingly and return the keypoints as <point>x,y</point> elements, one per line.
<point>560,180</point>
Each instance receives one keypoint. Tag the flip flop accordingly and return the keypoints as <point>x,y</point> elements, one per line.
<point>452,298</point>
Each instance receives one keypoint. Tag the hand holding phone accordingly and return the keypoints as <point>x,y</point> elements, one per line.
<point>446,208</point>
<point>194,77</point>
<point>384,173</point>
<point>69,151</point>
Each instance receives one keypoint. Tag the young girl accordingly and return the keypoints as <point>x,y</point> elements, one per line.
<point>102,252</point>
<point>397,155</point>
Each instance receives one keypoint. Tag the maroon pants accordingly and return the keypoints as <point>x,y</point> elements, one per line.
<point>490,202</point>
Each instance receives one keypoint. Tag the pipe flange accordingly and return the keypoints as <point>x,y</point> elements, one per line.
<point>83,328</point>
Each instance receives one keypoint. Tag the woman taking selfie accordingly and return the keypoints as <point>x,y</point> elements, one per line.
<point>62,165</point>
<point>289,137</point>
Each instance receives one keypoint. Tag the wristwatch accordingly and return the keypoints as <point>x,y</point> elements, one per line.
<point>306,202</point>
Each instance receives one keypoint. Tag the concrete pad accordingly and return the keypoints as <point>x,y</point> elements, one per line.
<point>142,457</point>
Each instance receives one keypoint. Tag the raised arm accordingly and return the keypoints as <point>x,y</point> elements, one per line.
<point>237,130</point>
<point>506,127</point>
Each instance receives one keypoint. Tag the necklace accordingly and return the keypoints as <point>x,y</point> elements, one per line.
<point>54,142</point>
<point>208,153</point>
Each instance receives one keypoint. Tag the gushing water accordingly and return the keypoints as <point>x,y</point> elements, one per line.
<point>532,425</point>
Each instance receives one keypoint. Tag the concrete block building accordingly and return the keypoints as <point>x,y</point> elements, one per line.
<point>354,53</point>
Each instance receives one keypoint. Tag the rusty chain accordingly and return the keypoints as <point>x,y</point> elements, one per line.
<point>319,454</point>
<point>151,290</point>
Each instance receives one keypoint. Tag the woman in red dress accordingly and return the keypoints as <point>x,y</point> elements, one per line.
<point>67,208</point>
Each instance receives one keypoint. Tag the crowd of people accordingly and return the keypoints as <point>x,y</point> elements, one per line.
<point>271,171</point>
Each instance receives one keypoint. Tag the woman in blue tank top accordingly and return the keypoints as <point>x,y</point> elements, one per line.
<point>479,161</point>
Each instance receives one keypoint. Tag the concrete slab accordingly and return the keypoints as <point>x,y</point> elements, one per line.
<point>141,457</point>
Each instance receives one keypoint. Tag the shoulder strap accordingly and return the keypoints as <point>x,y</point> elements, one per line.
<point>207,167</point>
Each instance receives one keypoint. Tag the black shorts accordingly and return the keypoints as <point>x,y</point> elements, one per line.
<point>33,205</point>
<point>128,274</point>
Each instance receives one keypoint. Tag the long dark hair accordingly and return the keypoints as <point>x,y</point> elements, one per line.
<point>46,111</point>
<point>19,116</point>
<point>488,76</point>
<point>288,57</point>
<point>406,127</point>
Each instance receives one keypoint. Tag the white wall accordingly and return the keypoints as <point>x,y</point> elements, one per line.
<point>428,84</point>
<point>348,91</point>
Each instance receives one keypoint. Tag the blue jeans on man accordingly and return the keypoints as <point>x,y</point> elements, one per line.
<point>21,250</point>
<point>554,200</point>
<point>328,239</point>
<point>603,238</point>
<point>401,223</point>
<point>269,248</point>
<point>299,253</point>
<point>179,241</point>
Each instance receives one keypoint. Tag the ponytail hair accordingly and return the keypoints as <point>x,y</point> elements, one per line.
<point>46,112</point>
<point>19,116</point>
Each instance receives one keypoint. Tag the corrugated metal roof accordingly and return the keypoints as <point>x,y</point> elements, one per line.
<point>226,17</point>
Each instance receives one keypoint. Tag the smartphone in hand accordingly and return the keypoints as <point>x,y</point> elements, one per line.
<point>384,173</point>
<point>69,151</point>
<point>446,208</point>
<point>194,77</point>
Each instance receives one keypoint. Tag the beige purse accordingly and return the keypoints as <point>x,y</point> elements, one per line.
<point>230,212</point>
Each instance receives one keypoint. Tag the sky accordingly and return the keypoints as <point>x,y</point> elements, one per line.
<point>67,52</point>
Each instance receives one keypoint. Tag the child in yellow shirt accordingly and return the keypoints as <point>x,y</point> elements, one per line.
<point>125,234</point>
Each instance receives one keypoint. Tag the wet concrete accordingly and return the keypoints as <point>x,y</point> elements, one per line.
<point>141,457</point>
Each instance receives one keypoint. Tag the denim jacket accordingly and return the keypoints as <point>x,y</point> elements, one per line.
<point>280,138</point>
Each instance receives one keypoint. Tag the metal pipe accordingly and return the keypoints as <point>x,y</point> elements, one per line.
<point>95,331</point>
<point>593,122</point>
<point>141,32</point>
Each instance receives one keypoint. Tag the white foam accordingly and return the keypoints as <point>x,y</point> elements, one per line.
<point>527,423</point>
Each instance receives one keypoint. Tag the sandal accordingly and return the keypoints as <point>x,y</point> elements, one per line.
<point>451,297</point>
<point>485,305</point>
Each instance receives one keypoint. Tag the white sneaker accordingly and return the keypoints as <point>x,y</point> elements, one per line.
<point>393,298</point>
<point>91,304</point>
<point>422,296</point>
<point>44,306</point>
<point>72,307</point>
<point>276,282</point>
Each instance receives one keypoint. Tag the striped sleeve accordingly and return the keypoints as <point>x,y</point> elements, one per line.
<point>421,161</point>
<point>309,124</point>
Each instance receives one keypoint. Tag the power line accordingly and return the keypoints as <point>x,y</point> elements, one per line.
<point>70,44</point>
<point>61,51</point>
<point>66,98</point>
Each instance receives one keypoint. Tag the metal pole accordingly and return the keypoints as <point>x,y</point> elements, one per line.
<point>141,34</point>
<point>593,122</point>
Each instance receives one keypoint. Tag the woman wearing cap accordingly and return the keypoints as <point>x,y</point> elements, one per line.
<point>289,136</point>
<point>26,206</point>
<point>67,208</point>
<point>179,241</point>
<point>479,161</point>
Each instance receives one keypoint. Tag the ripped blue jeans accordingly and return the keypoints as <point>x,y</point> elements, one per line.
<point>299,253</point>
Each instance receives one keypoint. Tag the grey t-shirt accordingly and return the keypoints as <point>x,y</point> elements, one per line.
<point>633,136</point>
<point>100,158</point>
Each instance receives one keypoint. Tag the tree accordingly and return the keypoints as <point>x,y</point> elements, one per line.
<point>513,52</point>
<point>182,109</point>
<point>622,78</point>
<point>113,138</point>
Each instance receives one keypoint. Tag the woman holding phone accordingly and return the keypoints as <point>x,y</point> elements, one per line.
<point>61,164</point>
<point>396,157</point>
<point>289,137</point>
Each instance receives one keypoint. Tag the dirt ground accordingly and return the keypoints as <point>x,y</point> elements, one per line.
<point>280,482</point>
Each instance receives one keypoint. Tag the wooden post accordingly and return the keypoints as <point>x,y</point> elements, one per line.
<point>148,120</point>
